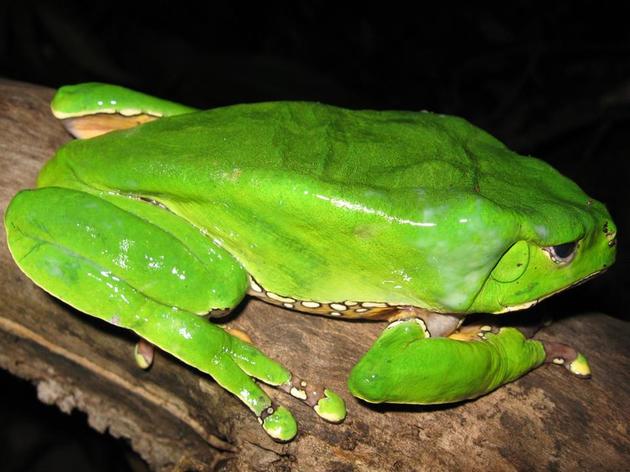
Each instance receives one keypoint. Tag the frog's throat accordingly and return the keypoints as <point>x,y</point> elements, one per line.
<point>339,309</point>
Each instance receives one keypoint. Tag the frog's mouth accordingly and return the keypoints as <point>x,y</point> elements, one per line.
<point>531,303</point>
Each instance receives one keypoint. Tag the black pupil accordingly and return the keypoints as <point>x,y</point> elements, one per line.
<point>564,250</point>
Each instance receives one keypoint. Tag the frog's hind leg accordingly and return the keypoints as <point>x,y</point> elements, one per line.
<point>140,267</point>
<point>91,109</point>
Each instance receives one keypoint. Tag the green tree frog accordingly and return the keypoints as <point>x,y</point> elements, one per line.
<point>162,214</point>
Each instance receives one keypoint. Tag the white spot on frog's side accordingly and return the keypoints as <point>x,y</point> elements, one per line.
<point>255,287</point>
<point>349,303</point>
<point>288,305</point>
<point>297,393</point>
<point>131,112</point>
<point>521,306</point>
<point>311,304</point>
<point>373,305</point>
<point>335,313</point>
<point>113,102</point>
<point>361,310</point>
<point>463,220</point>
<point>280,298</point>
<point>558,361</point>
<point>338,307</point>
<point>100,103</point>
<point>185,333</point>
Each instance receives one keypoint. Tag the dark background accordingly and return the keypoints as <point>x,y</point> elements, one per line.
<point>550,79</point>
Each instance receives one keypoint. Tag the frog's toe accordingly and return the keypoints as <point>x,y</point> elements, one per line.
<point>143,353</point>
<point>325,402</point>
<point>580,366</point>
<point>280,424</point>
<point>331,407</point>
<point>566,356</point>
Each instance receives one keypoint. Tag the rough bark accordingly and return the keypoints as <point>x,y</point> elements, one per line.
<point>177,418</point>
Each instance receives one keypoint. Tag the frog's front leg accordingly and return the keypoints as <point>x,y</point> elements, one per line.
<point>406,366</point>
<point>138,266</point>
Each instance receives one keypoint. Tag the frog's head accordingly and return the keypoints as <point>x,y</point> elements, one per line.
<point>561,239</point>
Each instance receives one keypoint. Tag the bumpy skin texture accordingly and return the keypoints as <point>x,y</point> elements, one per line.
<point>151,226</point>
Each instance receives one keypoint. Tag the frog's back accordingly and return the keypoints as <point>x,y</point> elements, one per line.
<point>385,149</point>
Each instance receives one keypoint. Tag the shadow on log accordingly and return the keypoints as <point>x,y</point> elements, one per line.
<point>177,418</point>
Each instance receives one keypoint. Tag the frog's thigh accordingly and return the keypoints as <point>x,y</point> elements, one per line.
<point>404,366</point>
<point>97,257</point>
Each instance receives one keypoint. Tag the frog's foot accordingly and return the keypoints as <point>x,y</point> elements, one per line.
<point>143,353</point>
<point>236,365</point>
<point>326,403</point>
<point>406,366</point>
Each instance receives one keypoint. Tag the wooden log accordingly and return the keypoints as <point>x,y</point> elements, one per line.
<point>178,419</point>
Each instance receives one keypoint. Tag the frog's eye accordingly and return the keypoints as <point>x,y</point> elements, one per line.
<point>562,253</point>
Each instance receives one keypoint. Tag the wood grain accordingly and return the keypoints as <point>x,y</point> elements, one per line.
<point>179,419</point>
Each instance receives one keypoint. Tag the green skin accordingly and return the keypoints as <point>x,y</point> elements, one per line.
<point>148,228</point>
